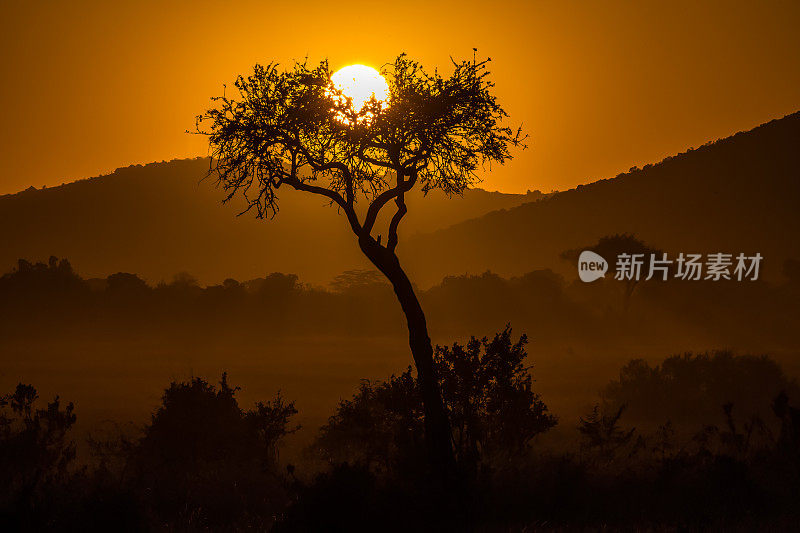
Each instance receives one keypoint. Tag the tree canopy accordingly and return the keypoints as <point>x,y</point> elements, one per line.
<point>294,127</point>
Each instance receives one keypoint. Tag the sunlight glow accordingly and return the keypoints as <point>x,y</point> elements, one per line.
<point>360,83</point>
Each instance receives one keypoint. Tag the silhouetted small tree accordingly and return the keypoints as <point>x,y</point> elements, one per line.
<point>35,452</point>
<point>602,433</point>
<point>358,281</point>
<point>294,128</point>
<point>207,463</point>
<point>610,247</point>
<point>488,391</point>
<point>124,282</point>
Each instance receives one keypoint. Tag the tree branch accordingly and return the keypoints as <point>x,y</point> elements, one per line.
<point>382,199</point>
<point>347,204</point>
<point>294,182</point>
<point>391,243</point>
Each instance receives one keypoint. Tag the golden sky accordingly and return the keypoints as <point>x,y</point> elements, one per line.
<point>599,86</point>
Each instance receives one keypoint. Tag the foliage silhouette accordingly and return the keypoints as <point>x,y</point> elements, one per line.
<point>204,462</point>
<point>752,316</point>
<point>487,391</point>
<point>691,389</point>
<point>610,247</point>
<point>35,454</point>
<point>602,433</point>
<point>719,479</point>
<point>126,283</point>
<point>358,281</point>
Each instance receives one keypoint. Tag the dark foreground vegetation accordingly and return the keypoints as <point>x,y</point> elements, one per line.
<point>698,441</point>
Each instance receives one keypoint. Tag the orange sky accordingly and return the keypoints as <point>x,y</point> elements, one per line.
<point>599,87</point>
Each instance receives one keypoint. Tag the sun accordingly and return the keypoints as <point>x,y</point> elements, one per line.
<point>360,83</point>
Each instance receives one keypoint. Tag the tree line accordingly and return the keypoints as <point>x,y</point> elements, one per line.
<point>50,298</point>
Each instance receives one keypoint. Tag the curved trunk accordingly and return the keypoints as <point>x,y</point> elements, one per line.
<point>437,424</point>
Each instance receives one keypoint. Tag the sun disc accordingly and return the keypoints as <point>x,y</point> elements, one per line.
<point>360,83</point>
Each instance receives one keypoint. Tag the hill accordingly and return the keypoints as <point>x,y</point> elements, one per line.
<point>739,194</point>
<point>162,218</point>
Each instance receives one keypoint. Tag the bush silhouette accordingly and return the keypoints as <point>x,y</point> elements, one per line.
<point>204,462</point>
<point>35,454</point>
<point>691,389</point>
<point>488,394</point>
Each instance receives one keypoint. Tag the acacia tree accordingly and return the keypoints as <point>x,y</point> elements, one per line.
<point>613,246</point>
<point>294,128</point>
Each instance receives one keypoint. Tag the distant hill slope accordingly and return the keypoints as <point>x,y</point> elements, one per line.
<point>738,194</point>
<point>159,219</point>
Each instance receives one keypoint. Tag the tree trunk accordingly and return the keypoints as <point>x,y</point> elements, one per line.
<point>437,424</point>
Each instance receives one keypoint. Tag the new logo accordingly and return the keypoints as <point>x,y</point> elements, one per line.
<point>591,266</point>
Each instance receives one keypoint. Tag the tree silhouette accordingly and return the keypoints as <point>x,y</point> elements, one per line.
<point>295,128</point>
<point>610,247</point>
<point>35,451</point>
<point>603,433</point>
<point>689,389</point>
<point>203,459</point>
